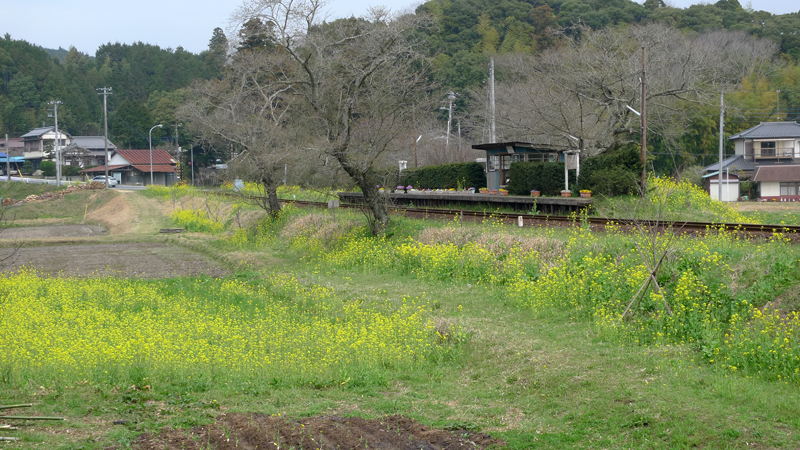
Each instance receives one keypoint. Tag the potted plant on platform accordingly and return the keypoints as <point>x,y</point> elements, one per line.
<point>503,191</point>
<point>586,193</point>
<point>535,193</point>
<point>483,190</point>
<point>566,193</point>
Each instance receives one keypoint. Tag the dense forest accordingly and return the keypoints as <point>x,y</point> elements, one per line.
<point>150,83</point>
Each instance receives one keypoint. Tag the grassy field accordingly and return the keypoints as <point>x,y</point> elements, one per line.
<point>516,333</point>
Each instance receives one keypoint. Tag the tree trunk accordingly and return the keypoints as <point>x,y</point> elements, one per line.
<point>376,204</point>
<point>274,204</point>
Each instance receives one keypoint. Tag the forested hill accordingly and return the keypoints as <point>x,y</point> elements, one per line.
<point>147,81</point>
<point>471,28</point>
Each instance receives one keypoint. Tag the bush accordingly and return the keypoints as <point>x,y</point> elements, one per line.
<point>27,168</point>
<point>614,172</point>
<point>70,170</point>
<point>547,177</point>
<point>446,176</point>
<point>48,168</point>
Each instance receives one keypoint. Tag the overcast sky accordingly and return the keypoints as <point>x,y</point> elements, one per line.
<point>87,24</point>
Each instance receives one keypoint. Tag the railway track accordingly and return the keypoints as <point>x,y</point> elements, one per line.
<point>599,222</point>
<point>792,232</point>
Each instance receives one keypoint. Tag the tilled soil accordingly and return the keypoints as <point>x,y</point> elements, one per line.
<point>260,431</point>
<point>137,260</point>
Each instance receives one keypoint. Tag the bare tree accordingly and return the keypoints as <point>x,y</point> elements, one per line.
<point>249,108</point>
<point>579,93</point>
<point>360,78</point>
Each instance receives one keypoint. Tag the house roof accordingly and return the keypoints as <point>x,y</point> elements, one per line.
<point>777,173</point>
<point>770,130</point>
<point>13,143</point>
<point>91,142</point>
<point>142,157</point>
<point>734,163</point>
<point>144,168</point>
<point>36,132</point>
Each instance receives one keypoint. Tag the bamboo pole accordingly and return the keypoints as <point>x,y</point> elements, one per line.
<point>31,418</point>
<point>22,405</point>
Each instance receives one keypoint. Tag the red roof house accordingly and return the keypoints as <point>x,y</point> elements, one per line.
<point>137,167</point>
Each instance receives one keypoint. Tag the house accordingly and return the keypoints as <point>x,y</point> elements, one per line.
<point>135,167</point>
<point>14,146</point>
<point>500,155</point>
<point>40,144</point>
<point>769,154</point>
<point>86,151</point>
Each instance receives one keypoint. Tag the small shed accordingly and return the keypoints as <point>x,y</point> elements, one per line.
<point>500,155</point>
<point>730,186</point>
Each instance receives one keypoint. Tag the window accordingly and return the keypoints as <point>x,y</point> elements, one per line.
<point>493,164</point>
<point>789,188</point>
<point>767,149</point>
<point>542,157</point>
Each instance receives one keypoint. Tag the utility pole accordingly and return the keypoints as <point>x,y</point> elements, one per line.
<point>491,100</point>
<point>106,92</point>
<point>450,97</point>
<point>778,105</point>
<point>57,146</point>
<point>177,147</point>
<point>644,132</point>
<point>8,157</point>
<point>721,147</point>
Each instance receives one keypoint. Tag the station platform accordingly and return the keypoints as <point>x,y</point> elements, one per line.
<point>542,205</point>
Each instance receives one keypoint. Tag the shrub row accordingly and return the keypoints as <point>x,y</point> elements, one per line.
<point>445,176</point>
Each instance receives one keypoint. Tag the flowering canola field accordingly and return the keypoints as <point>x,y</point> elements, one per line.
<point>109,329</point>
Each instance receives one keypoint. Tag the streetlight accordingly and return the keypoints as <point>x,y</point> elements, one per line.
<point>150,140</point>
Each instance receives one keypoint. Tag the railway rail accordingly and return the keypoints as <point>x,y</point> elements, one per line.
<point>791,232</point>
<point>599,222</point>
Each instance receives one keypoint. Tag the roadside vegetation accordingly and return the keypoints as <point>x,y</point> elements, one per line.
<point>514,332</point>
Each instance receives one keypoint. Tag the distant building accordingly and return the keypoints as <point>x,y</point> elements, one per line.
<point>769,154</point>
<point>39,144</point>
<point>87,151</point>
<point>133,167</point>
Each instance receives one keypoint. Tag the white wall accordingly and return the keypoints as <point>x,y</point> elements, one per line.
<point>770,188</point>
<point>730,191</point>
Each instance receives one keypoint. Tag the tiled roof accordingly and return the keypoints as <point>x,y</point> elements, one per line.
<point>734,163</point>
<point>91,142</point>
<point>136,157</point>
<point>144,168</point>
<point>770,130</point>
<point>157,168</point>
<point>777,173</point>
<point>38,132</point>
<point>103,168</point>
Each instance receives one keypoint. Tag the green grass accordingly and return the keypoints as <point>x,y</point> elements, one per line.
<point>19,191</point>
<point>71,209</point>
<point>545,379</point>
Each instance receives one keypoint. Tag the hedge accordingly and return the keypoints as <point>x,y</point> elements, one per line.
<point>614,172</point>
<point>547,177</point>
<point>445,176</point>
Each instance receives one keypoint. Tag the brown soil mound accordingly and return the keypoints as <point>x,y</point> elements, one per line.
<point>117,215</point>
<point>259,431</point>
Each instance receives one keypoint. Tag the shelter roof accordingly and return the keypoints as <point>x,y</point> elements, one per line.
<point>520,145</point>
